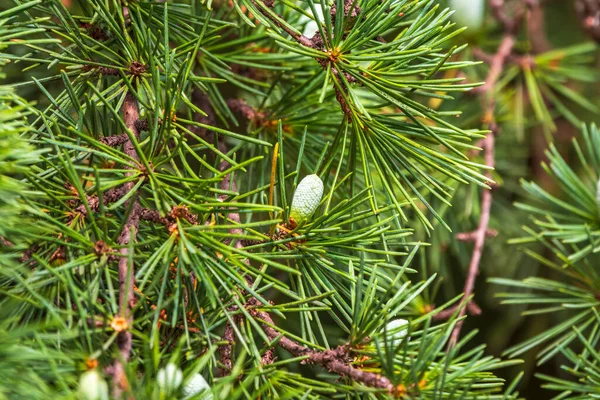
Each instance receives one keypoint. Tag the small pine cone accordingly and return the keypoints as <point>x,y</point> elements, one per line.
<point>589,14</point>
<point>306,198</point>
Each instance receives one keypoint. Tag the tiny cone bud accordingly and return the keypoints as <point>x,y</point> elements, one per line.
<point>194,386</point>
<point>306,198</point>
<point>92,386</point>
<point>169,378</point>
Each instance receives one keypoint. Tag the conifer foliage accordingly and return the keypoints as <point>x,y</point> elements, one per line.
<point>230,199</point>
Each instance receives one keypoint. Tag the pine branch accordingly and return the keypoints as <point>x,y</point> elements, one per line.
<point>337,360</point>
<point>317,42</point>
<point>93,202</point>
<point>169,221</point>
<point>393,67</point>
<point>114,141</point>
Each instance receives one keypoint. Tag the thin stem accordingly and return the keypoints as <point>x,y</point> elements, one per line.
<point>125,270</point>
<point>488,99</point>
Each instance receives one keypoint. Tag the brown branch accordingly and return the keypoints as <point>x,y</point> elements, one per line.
<point>300,38</point>
<point>488,100</point>
<point>472,309</point>
<point>337,360</point>
<point>472,236</point>
<point>244,109</point>
<point>226,350</point>
<point>169,221</point>
<point>116,193</point>
<point>135,69</point>
<point>93,202</point>
<point>117,140</point>
<point>125,271</point>
<point>269,357</point>
<point>95,31</point>
<point>114,141</point>
<point>496,63</point>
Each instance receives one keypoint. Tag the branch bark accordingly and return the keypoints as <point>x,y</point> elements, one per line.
<point>125,270</point>
<point>337,360</point>
<point>488,100</point>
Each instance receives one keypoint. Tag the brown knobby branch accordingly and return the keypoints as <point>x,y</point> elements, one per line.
<point>112,195</point>
<point>472,309</point>
<point>125,270</point>
<point>101,248</point>
<point>472,236</point>
<point>114,141</point>
<point>488,99</point>
<point>117,140</point>
<point>337,360</point>
<point>245,110</point>
<point>136,68</point>
<point>226,350</point>
<point>177,212</point>
<point>269,357</point>
<point>95,31</point>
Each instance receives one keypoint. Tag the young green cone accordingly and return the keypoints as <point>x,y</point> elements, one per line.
<point>306,198</point>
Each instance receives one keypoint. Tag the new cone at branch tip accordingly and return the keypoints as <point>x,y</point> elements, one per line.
<point>92,386</point>
<point>306,198</point>
<point>469,13</point>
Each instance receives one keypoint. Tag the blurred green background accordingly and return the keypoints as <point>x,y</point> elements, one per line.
<point>520,150</point>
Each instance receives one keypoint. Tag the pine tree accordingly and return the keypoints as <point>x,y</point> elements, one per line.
<point>246,199</point>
